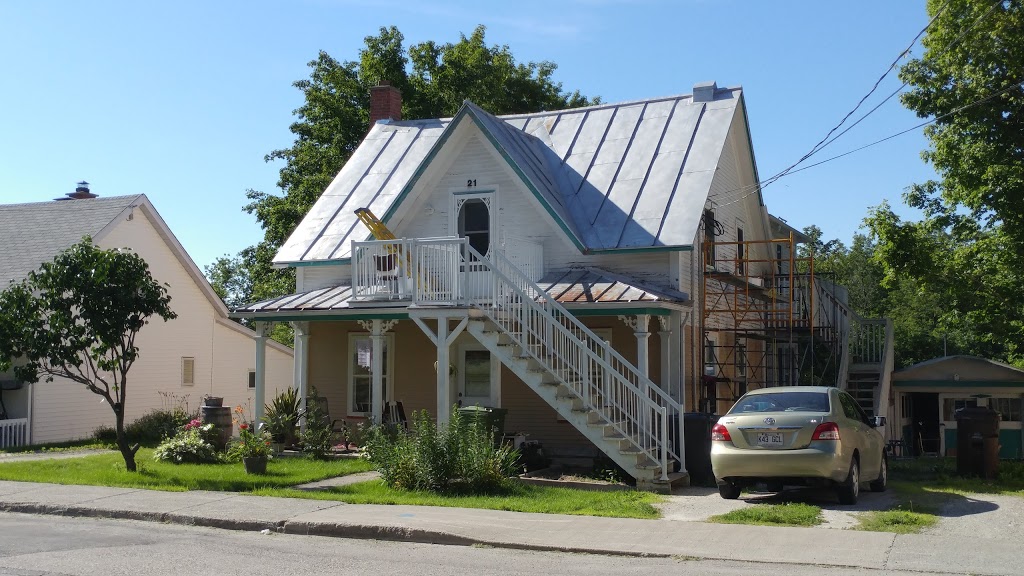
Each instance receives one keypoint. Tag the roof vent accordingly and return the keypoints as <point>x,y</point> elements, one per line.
<point>704,91</point>
<point>81,192</point>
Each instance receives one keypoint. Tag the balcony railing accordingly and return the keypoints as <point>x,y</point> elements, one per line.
<point>13,432</point>
<point>431,271</point>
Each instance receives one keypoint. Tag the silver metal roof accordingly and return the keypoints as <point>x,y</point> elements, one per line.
<point>567,286</point>
<point>597,285</point>
<point>31,234</point>
<point>615,176</point>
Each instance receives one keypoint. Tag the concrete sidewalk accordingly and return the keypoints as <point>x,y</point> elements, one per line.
<point>518,530</point>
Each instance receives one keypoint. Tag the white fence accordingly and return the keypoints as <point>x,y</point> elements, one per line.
<point>13,432</point>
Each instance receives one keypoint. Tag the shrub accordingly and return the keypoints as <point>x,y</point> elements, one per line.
<point>157,426</point>
<point>105,434</point>
<point>460,457</point>
<point>318,438</point>
<point>281,416</point>
<point>191,445</point>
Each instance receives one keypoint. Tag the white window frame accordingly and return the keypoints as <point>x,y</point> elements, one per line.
<point>489,195</point>
<point>251,379</point>
<point>185,360</point>
<point>389,370</point>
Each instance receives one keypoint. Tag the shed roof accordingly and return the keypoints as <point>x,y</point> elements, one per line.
<point>614,176</point>
<point>36,232</point>
<point>960,370</point>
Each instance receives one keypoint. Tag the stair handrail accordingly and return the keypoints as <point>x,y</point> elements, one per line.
<point>583,341</point>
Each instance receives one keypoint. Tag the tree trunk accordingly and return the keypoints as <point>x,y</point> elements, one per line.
<point>122,441</point>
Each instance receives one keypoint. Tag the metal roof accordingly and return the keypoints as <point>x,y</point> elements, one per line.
<point>614,176</point>
<point>568,286</point>
<point>31,234</point>
<point>597,285</point>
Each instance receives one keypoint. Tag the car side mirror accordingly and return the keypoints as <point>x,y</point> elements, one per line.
<point>878,421</point>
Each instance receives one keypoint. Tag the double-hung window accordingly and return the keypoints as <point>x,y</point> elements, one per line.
<point>360,373</point>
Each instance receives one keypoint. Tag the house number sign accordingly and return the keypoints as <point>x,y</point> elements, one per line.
<point>471,183</point>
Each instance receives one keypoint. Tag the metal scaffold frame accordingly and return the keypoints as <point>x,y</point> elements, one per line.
<point>761,323</point>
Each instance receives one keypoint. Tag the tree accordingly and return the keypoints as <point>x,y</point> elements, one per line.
<point>77,318</point>
<point>434,80</point>
<point>230,279</point>
<point>971,79</point>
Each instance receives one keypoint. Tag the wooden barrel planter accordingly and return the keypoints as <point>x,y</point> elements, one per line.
<point>220,417</point>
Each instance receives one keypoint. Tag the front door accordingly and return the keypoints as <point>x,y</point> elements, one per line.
<point>474,217</point>
<point>926,429</point>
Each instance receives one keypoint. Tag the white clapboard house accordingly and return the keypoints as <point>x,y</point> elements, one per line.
<point>596,272</point>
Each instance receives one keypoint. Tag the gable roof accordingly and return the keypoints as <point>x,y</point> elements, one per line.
<point>962,369</point>
<point>31,234</point>
<point>614,177</point>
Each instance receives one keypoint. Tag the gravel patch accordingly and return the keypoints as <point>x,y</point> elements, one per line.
<point>62,455</point>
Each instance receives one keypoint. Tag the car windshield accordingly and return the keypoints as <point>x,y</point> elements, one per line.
<point>783,401</point>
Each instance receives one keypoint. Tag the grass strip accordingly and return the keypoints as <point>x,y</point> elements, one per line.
<point>897,521</point>
<point>789,514</point>
<point>514,496</point>
<point>109,470</point>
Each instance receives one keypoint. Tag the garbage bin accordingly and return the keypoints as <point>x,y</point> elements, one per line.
<point>494,418</point>
<point>697,440</point>
<point>977,441</point>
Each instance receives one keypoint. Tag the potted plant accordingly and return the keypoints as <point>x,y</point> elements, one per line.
<point>252,446</point>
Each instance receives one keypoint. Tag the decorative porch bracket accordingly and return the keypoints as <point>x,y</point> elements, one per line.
<point>442,339</point>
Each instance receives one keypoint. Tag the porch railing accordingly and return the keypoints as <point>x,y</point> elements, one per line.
<point>606,382</point>
<point>13,432</point>
<point>420,269</point>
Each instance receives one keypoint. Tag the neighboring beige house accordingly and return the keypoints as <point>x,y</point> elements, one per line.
<point>200,352</point>
<point>596,271</point>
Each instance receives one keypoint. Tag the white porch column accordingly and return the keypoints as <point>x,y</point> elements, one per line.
<point>665,341</point>
<point>301,360</point>
<point>443,340</point>
<point>376,371</point>
<point>639,324</point>
<point>262,329</point>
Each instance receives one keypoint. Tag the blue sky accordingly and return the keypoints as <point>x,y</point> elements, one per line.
<point>182,100</point>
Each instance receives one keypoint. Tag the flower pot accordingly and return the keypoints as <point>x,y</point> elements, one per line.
<point>214,401</point>
<point>255,464</point>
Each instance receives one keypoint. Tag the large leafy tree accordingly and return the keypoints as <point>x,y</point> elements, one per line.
<point>957,271</point>
<point>77,318</point>
<point>434,80</point>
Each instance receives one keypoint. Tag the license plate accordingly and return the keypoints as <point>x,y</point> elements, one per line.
<point>771,439</point>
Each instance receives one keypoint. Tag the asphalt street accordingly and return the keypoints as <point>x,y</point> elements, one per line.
<point>51,545</point>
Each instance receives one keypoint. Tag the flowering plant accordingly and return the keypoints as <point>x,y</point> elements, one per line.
<point>252,442</point>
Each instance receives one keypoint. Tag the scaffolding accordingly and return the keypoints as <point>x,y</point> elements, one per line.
<point>766,320</point>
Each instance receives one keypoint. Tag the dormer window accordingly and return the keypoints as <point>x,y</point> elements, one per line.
<point>475,224</point>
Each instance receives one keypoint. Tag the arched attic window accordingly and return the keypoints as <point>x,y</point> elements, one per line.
<point>475,224</point>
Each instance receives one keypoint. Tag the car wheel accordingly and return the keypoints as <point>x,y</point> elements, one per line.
<point>849,490</point>
<point>879,484</point>
<point>729,491</point>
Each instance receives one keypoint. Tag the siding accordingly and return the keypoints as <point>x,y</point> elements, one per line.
<point>64,410</point>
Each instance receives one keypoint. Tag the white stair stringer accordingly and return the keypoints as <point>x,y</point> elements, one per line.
<point>594,423</point>
<point>580,375</point>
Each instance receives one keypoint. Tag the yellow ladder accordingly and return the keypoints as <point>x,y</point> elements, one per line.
<point>377,228</point>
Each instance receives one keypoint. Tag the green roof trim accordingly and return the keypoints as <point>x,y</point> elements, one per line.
<point>597,311</point>
<point>958,383</point>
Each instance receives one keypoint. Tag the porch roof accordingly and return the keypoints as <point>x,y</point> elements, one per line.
<point>575,286</point>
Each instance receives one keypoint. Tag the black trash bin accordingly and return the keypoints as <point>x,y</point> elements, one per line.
<point>977,441</point>
<point>697,440</point>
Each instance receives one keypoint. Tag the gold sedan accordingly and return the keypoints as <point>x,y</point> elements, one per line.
<point>798,435</point>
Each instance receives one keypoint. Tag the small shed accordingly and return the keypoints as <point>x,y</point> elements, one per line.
<point>928,394</point>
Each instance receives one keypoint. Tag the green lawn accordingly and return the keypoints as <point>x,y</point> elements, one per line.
<point>897,520</point>
<point>282,473</point>
<point>515,497</point>
<point>939,475</point>
<point>789,514</point>
<point>89,443</point>
<point>109,470</point>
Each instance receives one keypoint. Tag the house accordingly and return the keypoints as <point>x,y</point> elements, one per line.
<point>597,272</point>
<point>200,352</point>
<point>929,393</point>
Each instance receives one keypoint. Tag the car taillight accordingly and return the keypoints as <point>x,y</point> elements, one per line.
<point>826,431</point>
<point>720,433</point>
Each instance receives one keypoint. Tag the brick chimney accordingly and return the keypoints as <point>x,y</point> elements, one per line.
<point>81,192</point>
<point>385,103</point>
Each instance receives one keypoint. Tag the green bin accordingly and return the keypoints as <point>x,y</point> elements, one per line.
<point>492,417</point>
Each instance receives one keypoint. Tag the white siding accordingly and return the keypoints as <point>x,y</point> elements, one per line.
<point>314,277</point>
<point>65,410</point>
